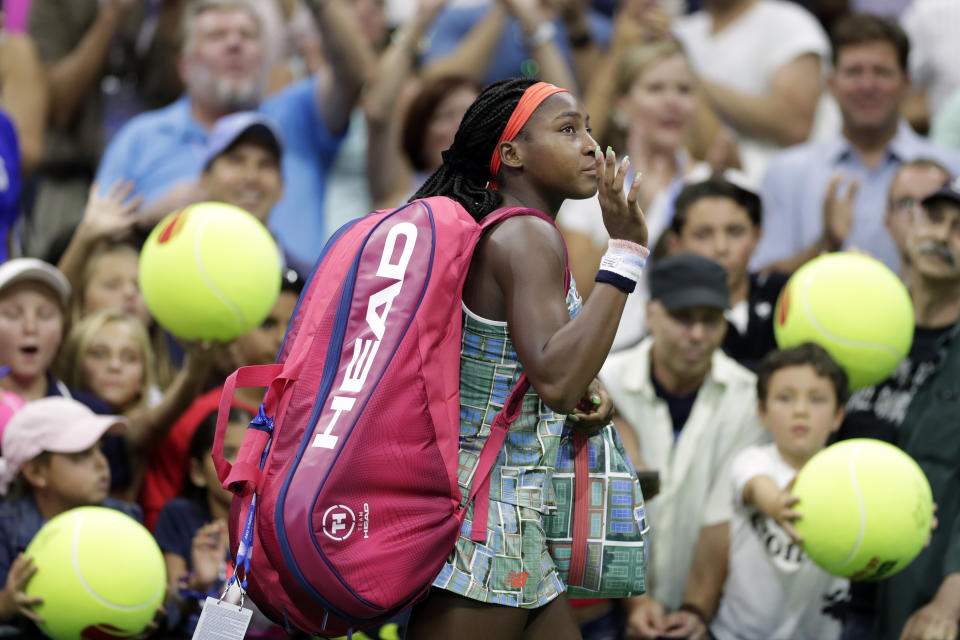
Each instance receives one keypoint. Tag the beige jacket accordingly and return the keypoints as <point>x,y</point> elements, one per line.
<point>722,422</point>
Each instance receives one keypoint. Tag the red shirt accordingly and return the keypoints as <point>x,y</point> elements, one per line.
<point>170,461</point>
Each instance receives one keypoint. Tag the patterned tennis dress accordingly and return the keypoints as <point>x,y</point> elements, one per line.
<point>513,567</point>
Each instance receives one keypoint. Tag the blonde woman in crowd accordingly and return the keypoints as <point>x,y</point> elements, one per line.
<point>652,105</point>
<point>108,354</point>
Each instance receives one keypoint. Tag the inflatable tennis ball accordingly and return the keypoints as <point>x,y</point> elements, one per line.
<point>210,271</point>
<point>865,508</point>
<point>99,572</point>
<point>854,307</point>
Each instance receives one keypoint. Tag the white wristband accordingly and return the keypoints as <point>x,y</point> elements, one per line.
<point>622,264</point>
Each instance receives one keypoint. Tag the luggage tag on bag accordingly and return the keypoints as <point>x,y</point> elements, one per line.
<point>223,620</point>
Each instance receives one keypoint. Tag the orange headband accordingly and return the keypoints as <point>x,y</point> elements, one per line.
<point>532,98</point>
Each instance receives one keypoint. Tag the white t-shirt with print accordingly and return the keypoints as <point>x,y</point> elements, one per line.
<point>773,591</point>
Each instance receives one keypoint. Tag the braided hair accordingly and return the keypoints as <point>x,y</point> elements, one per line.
<point>465,171</point>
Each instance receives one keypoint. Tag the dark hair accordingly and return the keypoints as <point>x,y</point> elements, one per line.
<point>865,28</point>
<point>465,171</point>
<point>807,353</point>
<point>201,443</point>
<point>421,111</point>
<point>20,487</point>
<point>713,188</point>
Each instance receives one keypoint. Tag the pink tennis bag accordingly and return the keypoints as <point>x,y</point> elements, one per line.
<point>346,498</point>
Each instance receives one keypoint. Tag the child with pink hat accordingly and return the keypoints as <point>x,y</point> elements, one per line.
<point>51,462</point>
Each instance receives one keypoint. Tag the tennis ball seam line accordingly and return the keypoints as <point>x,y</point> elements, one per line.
<point>838,339</point>
<point>859,495</point>
<point>75,548</point>
<point>198,259</point>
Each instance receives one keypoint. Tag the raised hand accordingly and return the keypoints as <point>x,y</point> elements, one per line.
<point>530,13</point>
<point>431,7</point>
<point>639,21</point>
<point>838,212</point>
<point>621,212</point>
<point>657,175</point>
<point>110,214</point>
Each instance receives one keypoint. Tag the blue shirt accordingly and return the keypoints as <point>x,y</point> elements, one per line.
<point>178,523</point>
<point>159,149</point>
<point>795,185</point>
<point>453,24</point>
<point>9,180</point>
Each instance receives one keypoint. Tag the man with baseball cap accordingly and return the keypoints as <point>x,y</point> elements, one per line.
<point>690,408</point>
<point>242,167</point>
<point>241,164</point>
<point>51,462</point>
<point>916,408</point>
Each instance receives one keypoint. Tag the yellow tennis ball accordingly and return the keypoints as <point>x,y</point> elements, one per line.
<point>210,271</point>
<point>854,307</point>
<point>865,508</point>
<point>99,572</point>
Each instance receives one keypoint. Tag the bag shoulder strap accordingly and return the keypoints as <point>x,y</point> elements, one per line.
<point>499,215</point>
<point>480,487</point>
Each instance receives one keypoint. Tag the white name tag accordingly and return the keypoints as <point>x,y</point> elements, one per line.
<point>221,620</point>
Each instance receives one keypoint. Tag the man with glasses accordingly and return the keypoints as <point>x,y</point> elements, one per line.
<point>913,181</point>
<point>917,408</point>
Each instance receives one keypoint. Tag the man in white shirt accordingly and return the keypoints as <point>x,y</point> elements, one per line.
<point>759,64</point>
<point>689,407</point>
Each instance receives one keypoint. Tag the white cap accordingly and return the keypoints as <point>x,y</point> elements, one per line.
<point>27,269</point>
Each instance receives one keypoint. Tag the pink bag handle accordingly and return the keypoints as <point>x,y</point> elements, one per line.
<point>257,376</point>
<point>498,216</point>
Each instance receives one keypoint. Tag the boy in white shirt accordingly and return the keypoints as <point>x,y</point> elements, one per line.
<point>750,579</point>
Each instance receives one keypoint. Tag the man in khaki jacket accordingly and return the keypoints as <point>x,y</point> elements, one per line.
<point>689,408</point>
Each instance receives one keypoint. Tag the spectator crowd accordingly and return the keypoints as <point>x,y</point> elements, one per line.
<point>765,132</point>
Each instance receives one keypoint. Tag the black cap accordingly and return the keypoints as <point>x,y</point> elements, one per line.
<point>949,190</point>
<point>686,280</point>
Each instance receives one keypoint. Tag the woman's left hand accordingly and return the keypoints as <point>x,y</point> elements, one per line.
<point>594,411</point>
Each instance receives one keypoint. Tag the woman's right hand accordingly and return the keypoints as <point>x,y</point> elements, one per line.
<point>13,599</point>
<point>621,212</point>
